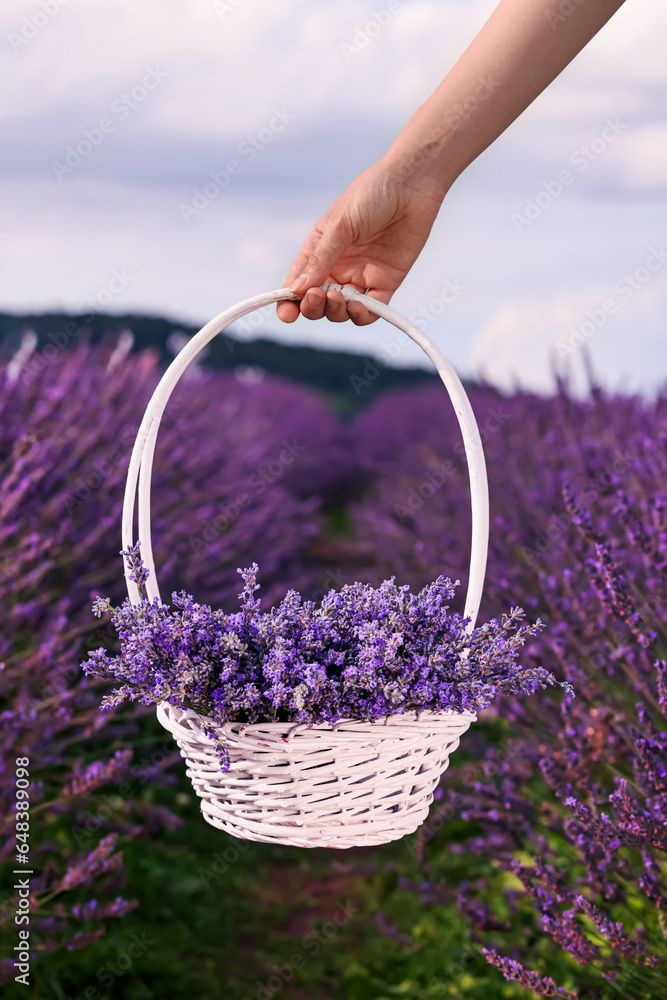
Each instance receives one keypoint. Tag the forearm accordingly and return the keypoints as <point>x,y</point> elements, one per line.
<point>523,46</point>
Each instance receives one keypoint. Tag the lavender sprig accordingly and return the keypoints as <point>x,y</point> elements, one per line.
<point>360,653</point>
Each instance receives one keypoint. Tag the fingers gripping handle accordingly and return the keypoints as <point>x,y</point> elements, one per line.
<point>141,461</point>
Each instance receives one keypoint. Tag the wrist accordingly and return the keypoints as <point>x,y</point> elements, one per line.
<point>421,160</point>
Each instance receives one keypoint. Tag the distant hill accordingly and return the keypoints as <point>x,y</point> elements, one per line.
<point>348,381</point>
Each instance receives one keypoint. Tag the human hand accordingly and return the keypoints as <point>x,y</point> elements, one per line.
<point>369,238</point>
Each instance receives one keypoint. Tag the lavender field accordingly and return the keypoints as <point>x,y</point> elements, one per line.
<point>541,869</point>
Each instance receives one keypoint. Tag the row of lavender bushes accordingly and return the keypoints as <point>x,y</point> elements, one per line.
<point>568,798</point>
<point>571,797</point>
<point>65,442</point>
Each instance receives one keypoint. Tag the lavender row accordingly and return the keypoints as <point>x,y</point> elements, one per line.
<point>238,469</point>
<point>245,472</point>
<point>571,802</point>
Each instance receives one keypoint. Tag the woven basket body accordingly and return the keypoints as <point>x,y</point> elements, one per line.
<point>355,783</point>
<point>348,785</point>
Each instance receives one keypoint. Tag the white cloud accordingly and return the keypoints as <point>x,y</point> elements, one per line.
<point>642,160</point>
<point>225,75</point>
<point>514,346</point>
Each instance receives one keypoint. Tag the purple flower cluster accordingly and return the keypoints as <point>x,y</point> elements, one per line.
<point>514,971</point>
<point>117,907</point>
<point>98,773</point>
<point>568,795</point>
<point>103,859</point>
<point>571,798</point>
<point>66,437</point>
<point>360,653</point>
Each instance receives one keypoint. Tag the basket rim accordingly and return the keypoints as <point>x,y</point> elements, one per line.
<point>425,718</point>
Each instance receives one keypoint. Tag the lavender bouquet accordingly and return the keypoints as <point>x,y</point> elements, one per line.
<point>362,653</point>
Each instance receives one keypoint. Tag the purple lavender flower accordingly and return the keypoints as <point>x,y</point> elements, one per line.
<point>66,436</point>
<point>98,773</point>
<point>101,859</point>
<point>578,535</point>
<point>93,909</point>
<point>514,971</point>
<point>361,653</point>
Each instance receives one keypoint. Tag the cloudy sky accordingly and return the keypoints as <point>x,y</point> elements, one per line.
<point>116,113</point>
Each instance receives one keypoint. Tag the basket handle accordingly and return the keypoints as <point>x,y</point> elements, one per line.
<point>141,461</point>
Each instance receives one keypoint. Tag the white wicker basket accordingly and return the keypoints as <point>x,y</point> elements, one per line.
<point>344,785</point>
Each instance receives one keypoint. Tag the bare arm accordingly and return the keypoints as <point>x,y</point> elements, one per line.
<point>372,235</point>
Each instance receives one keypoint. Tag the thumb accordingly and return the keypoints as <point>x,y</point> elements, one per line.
<point>333,242</point>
